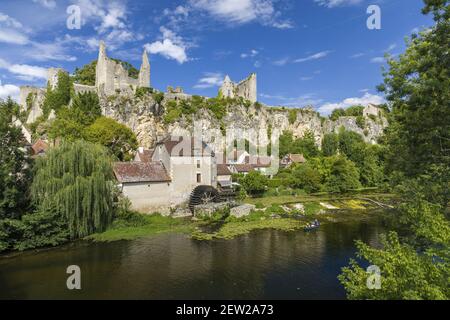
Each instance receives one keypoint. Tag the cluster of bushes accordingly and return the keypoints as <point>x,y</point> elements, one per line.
<point>354,111</point>
<point>305,145</point>
<point>216,106</point>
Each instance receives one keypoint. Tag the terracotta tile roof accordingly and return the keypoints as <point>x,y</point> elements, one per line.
<point>140,172</point>
<point>145,155</point>
<point>179,146</point>
<point>297,158</point>
<point>39,147</point>
<point>243,167</point>
<point>222,170</point>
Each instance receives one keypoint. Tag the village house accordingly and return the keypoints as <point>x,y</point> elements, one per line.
<point>241,168</point>
<point>39,148</point>
<point>178,165</point>
<point>224,176</point>
<point>291,158</point>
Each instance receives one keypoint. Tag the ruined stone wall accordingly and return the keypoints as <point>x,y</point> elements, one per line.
<point>111,76</point>
<point>34,105</point>
<point>247,88</point>
<point>81,88</point>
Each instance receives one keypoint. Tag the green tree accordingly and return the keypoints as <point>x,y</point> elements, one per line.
<point>15,172</point>
<point>68,125</point>
<point>306,145</point>
<point>75,180</point>
<point>337,113</point>
<point>417,86</point>
<point>305,176</point>
<point>60,96</point>
<point>330,144</point>
<point>344,176</point>
<point>416,266</point>
<point>89,106</point>
<point>86,74</point>
<point>254,183</point>
<point>115,136</point>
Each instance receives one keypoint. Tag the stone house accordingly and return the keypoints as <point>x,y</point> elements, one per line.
<point>292,158</point>
<point>224,176</point>
<point>146,184</point>
<point>39,148</point>
<point>178,165</point>
<point>243,168</point>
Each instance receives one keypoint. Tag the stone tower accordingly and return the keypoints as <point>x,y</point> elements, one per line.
<point>144,72</point>
<point>228,88</point>
<point>246,88</point>
<point>104,75</point>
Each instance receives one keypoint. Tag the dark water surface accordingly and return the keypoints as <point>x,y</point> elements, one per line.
<point>262,265</point>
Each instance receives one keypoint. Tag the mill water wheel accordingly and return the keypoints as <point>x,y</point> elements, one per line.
<point>203,195</point>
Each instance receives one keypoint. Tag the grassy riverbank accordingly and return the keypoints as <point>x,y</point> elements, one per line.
<point>143,226</point>
<point>277,212</point>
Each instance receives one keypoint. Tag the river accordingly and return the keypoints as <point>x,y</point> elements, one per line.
<point>265,264</point>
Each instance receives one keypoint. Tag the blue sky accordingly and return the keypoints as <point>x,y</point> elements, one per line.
<point>317,52</point>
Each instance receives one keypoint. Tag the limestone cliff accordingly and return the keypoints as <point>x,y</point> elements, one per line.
<point>146,118</point>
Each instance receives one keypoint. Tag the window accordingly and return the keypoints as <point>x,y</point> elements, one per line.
<point>198,164</point>
<point>199,177</point>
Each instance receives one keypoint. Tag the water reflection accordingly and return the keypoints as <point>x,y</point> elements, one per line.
<point>265,264</point>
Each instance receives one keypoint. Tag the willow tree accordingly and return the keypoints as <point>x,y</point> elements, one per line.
<point>76,180</point>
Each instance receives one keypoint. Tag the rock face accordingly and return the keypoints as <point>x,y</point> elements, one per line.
<point>242,211</point>
<point>145,117</point>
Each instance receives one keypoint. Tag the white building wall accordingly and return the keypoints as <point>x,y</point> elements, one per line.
<point>148,197</point>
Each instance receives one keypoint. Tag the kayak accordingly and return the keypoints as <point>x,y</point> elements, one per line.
<point>312,226</point>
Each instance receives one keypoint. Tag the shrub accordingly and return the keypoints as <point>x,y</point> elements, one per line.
<point>292,116</point>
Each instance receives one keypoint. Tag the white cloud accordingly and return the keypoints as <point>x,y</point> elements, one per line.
<point>24,71</point>
<point>50,4</point>
<point>306,78</point>
<point>377,60</point>
<point>366,99</point>
<point>281,62</point>
<point>13,37</point>
<point>357,55</point>
<point>315,56</point>
<point>168,49</point>
<point>9,90</point>
<point>110,19</point>
<point>171,46</point>
<point>8,21</point>
<point>209,80</point>
<point>337,3</point>
<point>12,31</point>
<point>250,54</point>
<point>55,51</point>
<point>237,12</point>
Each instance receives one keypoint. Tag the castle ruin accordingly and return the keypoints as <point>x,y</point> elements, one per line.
<point>245,88</point>
<point>111,76</point>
